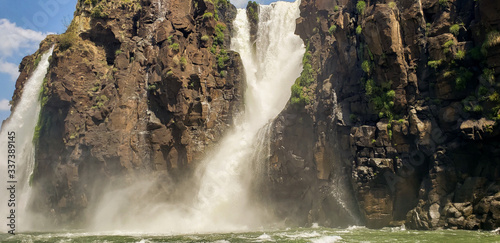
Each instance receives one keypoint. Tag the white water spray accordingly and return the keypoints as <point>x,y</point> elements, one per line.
<point>20,128</point>
<point>222,201</point>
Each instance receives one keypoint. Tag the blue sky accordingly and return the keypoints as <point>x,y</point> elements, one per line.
<point>23,24</point>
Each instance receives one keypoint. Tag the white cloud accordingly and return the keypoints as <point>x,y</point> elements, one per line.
<point>15,38</point>
<point>4,105</point>
<point>10,68</point>
<point>16,42</point>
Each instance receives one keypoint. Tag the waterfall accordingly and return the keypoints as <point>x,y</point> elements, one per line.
<point>270,72</point>
<point>218,199</point>
<point>18,131</point>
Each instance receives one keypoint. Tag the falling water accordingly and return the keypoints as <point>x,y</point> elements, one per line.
<point>20,128</point>
<point>223,201</point>
<point>270,72</point>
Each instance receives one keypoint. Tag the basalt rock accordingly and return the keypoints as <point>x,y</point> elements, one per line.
<point>402,114</point>
<point>134,90</point>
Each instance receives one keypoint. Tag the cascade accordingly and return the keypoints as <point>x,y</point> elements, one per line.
<point>16,138</point>
<point>222,200</point>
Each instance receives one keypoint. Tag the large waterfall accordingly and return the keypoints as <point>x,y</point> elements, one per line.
<point>17,150</point>
<point>222,202</point>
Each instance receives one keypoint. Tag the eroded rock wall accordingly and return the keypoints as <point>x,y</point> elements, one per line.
<point>136,89</point>
<point>398,104</point>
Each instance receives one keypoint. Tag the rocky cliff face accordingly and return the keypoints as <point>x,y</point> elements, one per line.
<point>397,104</point>
<point>135,89</point>
<point>393,120</point>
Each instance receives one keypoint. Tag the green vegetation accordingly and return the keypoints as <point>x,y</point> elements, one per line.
<point>463,77</point>
<point>299,97</point>
<point>37,60</point>
<point>455,29</point>
<point>208,15</point>
<point>381,97</point>
<point>336,8</point>
<point>489,76</point>
<point>222,59</point>
<point>253,11</point>
<point>446,46</point>
<point>205,38</point>
<point>174,47</point>
<point>152,87</point>
<point>392,5</point>
<point>443,3</point>
<point>366,66</point>
<point>434,64</point>
<point>183,62</point>
<point>332,29</point>
<point>98,12</point>
<point>118,52</point>
<point>219,34</point>
<point>460,55</point>
<point>492,39</point>
<point>361,6</point>
<point>358,30</point>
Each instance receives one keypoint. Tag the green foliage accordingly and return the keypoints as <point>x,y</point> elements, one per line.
<point>361,6</point>
<point>299,97</point>
<point>446,46</point>
<point>381,97</point>
<point>219,34</point>
<point>495,97</point>
<point>492,39</point>
<point>152,87</point>
<point>366,66</point>
<point>253,11</point>
<point>332,29</point>
<point>118,52</point>
<point>392,5</point>
<point>477,108</point>
<point>174,47</point>
<point>169,40</point>
<point>443,3</point>
<point>434,64</point>
<point>98,12</point>
<point>336,8</point>
<point>205,38</point>
<point>37,60</point>
<point>222,59</point>
<point>183,62</point>
<point>67,40</point>
<point>476,53</point>
<point>358,30</point>
<point>482,91</point>
<point>489,75</point>
<point>460,55</point>
<point>463,77</point>
<point>455,29</point>
<point>208,15</point>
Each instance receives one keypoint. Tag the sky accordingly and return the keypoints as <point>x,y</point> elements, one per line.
<point>23,24</point>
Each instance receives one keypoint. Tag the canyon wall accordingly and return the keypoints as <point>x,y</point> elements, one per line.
<point>135,90</point>
<point>397,104</point>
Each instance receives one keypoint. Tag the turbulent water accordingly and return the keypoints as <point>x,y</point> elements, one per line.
<point>314,235</point>
<point>18,132</point>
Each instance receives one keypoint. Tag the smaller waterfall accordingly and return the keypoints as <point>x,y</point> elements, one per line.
<point>17,150</point>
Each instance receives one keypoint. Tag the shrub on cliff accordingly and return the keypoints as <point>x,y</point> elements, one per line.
<point>253,11</point>
<point>360,6</point>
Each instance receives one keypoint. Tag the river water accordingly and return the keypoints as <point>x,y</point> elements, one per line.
<point>314,234</point>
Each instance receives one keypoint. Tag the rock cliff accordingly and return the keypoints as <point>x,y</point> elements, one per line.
<point>134,89</point>
<point>393,120</point>
<point>397,104</point>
